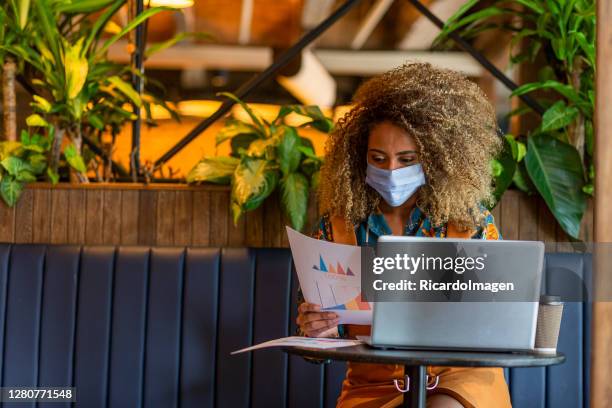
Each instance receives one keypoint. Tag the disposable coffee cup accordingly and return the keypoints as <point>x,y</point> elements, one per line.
<point>548,325</point>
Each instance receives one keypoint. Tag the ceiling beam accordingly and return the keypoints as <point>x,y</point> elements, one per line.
<point>369,23</point>
<point>422,32</point>
<point>315,11</point>
<point>338,62</point>
<point>246,16</point>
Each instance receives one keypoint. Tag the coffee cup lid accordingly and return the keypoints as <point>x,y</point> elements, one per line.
<point>550,299</point>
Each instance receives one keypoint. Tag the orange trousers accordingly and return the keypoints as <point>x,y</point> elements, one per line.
<point>371,385</point>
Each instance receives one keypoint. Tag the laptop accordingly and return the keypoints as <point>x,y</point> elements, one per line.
<point>466,325</point>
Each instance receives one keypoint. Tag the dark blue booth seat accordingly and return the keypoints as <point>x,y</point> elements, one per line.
<point>153,327</point>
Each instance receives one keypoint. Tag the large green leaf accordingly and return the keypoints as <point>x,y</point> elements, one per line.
<point>566,90</point>
<point>556,170</point>
<point>213,169</point>
<point>294,197</point>
<point>10,190</point>
<point>253,181</point>
<point>558,116</point>
<point>289,154</point>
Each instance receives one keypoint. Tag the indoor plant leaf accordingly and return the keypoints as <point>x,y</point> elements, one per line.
<point>240,143</point>
<point>256,120</point>
<point>566,90</point>
<point>213,169</point>
<point>558,116</point>
<point>556,170</point>
<point>289,154</point>
<point>294,197</point>
<point>36,120</point>
<point>157,47</point>
<point>126,89</point>
<point>75,68</point>
<point>10,189</point>
<point>82,6</point>
<point>235,127</point>
<point>100,23</point>
<point>74,159</point>
<point>252,182</point>
<point>41,103</point>
<point>15,165</point>
<point>141,18</point>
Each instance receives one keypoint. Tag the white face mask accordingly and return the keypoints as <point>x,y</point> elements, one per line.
<point>395,186</point>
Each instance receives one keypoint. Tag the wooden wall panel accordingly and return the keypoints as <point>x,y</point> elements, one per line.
<point>147,215</point>
<point>7,223</point>
<point>41,210</point>
<point>59,216</point>
<point>111,216</point>
<point>77,215</point>
<point>23,217</point>
<point>94,219</point>
<point>130,201</point>
<point>166,201</point>
<point>200,226</point>
<point>178,215</point>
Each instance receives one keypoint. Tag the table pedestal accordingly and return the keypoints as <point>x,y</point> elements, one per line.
<point>417,383</point>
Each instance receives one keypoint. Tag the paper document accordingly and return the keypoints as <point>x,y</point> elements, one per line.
<point>330,276</point>
<point>298,341</point>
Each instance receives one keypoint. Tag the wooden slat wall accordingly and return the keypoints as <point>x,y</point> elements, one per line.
<point>181,215</point>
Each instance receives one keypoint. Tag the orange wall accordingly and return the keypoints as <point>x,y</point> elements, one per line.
<point>156,141</point>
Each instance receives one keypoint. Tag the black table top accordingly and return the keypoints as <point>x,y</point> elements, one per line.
<point>366,354</point>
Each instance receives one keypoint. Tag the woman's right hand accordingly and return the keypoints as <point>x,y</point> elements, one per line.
<point>313,322</point>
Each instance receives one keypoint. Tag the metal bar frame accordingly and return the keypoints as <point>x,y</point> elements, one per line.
<point>286,56</point>
<point>488,65</point>
<point>138,84</point>
<point>282,60</point>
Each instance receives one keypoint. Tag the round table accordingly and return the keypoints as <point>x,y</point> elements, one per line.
<point>416,361</point>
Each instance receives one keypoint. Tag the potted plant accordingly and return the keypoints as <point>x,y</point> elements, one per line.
<point>61,50</point>
<point>556,157</point>
<point>266,155</point>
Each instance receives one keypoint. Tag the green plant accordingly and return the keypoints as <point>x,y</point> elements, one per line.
<point>265,155</point>
<point>556,157</point>
<point>20,163</point>
<point>63,54</point>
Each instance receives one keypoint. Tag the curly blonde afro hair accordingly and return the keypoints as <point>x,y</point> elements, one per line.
<point>454,127</point>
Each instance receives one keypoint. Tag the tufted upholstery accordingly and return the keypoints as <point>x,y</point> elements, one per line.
<point>153,327</point>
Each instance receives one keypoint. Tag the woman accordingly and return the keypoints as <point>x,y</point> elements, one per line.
<point>411,158</point>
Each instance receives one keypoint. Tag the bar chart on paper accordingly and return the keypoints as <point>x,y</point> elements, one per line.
<point>330,276</point>
<point>334,296</point>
